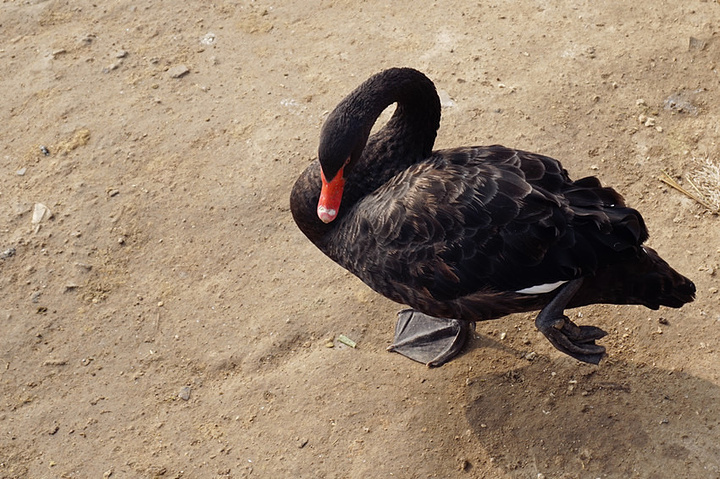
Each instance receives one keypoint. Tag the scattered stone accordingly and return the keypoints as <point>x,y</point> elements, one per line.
<point>208,39</point>
<point>21,171</point>
<point>303,442</point>
<point>184,393</point>
<point>44,150</point>
<point>41,213</point>
<point>121,54</point>
<point>178,71</point>
<point>111,67</point>
<point>8,253</point>
<point>531,355</point>
<point>663,321</point>
<point>697,44</point>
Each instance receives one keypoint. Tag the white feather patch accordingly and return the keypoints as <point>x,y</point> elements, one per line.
<point>541,288</point>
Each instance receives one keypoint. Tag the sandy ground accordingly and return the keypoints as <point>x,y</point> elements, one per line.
<point>169,320</point>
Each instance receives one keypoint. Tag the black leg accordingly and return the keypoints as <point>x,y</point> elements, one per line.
<point>566,336</point>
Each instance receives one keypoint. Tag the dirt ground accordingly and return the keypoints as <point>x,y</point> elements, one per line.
<point>165,318</point>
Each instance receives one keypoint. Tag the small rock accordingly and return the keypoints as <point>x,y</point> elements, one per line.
<point>21,171</point>
<point>696,44</point>
<point>111,67</point>
<point>121,54</point>
<point>303,442</point>
<point>178,71</point>
<point>184,393</point>
<point>208,39</point>
<point>531,355</point>
<point>8,253</point>
<point>41,213</point>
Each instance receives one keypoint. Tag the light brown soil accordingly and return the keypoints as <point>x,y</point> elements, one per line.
<point>171,260</point>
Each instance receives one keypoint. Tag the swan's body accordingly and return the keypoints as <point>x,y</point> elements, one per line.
<point>471,233</point>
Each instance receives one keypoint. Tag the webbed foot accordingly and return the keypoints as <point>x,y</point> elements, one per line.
<point>427,339</point>
<point>566,336</point>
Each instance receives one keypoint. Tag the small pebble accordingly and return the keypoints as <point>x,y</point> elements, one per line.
<point>40,213</point>
<point>21,171</point>
<point>178,71</point>
<point>303,442</point>
<point>111,67</point>
<point>208,39</point>
<point>184,393</point>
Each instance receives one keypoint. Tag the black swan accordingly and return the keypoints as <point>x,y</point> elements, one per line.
<point>472,233</point>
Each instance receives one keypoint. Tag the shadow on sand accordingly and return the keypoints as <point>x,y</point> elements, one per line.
<point>562,419</point>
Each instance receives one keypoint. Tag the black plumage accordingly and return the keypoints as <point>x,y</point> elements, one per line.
<point>458,233</point>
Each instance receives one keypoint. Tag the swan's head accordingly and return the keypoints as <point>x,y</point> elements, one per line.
<point>342,141</point>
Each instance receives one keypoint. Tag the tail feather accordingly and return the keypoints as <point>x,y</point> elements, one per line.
<point>649,281</point>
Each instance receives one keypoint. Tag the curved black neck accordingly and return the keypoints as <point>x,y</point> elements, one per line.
<point>409,134</point>
<point>407,138</point>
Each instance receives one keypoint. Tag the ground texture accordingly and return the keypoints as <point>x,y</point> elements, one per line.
<point>165,318</point>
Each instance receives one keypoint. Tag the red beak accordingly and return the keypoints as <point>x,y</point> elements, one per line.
<point>330,197</point>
